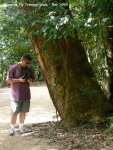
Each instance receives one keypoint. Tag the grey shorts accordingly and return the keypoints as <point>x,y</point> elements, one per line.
<point>20,106</point>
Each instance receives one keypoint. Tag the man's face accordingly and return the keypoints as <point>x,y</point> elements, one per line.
<point>25,63</point>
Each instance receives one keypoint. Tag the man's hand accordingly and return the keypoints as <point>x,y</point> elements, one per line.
<point>22,80</point>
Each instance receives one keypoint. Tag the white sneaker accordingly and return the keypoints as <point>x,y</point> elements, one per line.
<point>21,131</point>
<point>11,132</point>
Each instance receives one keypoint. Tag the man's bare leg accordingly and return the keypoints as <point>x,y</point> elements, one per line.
<point>22,117</point>
<point>12,123</point>
<point>13,118</point>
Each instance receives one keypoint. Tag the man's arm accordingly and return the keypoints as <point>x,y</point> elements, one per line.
<point>11,76</point>
<point>15,80</point>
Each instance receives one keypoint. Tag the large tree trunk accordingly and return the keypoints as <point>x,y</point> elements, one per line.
<point>70,80</point>
<point>109,52</point>
<point>73,88</point>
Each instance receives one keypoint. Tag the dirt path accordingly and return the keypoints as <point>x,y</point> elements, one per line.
<point>41,110</point>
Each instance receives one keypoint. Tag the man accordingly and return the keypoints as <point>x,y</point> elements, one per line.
<point>20,76</point>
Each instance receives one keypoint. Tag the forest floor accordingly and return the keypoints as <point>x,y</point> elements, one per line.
<point>43,132</point>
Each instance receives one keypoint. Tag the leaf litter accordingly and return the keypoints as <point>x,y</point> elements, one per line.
<point>84,136</point>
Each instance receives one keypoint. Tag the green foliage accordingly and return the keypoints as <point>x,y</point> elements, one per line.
<point>14,42</point>
<point>52,19</point>
<point>93,18</point>
<point>110,129</point>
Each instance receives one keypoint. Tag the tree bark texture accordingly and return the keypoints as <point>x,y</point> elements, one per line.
<point>109,49</point>
<point>109,52</point>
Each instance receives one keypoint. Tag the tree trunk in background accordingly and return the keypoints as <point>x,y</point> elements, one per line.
<point>109,47</point>
<point>71,82</point>
<point>109,52</point>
